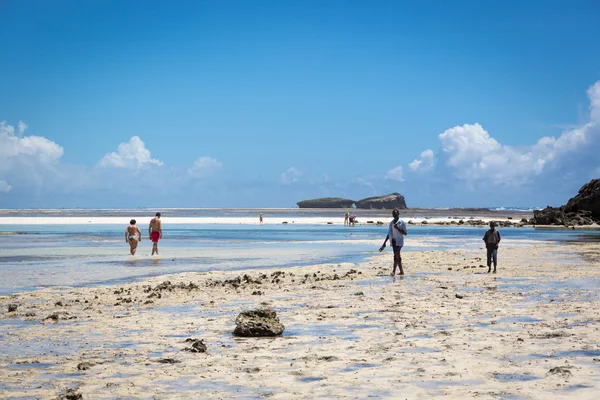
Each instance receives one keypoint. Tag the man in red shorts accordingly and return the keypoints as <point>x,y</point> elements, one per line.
<point>155,232</point>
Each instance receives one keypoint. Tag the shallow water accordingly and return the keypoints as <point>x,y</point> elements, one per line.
<point>76,255</point>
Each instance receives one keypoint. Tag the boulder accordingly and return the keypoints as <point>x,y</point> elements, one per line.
<point>387,202</point>
<point>259,322</point>
<point>583,209</point>
<point>548,216</point>
<point>588,199</point>
<point>326,202</point>
<point>197,345</point>
<point>558,216</point>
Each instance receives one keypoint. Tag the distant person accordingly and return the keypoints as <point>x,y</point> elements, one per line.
<point>133,236</point>
<point>396,233</point>
<point>347,218</point>
<point>492,239</point>
<point>352,220</point>
<point>155,232</point>
<point>260,219</point>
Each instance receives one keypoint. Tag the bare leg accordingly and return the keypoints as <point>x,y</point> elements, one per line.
<point>155,248</point>
<point>134,245</point>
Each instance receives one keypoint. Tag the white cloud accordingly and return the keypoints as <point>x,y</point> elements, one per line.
<point>30,150</point>
<point>130,155</point>
<point>467,144</point>
<point>290,176</point>
<point>365,183</point>
<point>594,95</point>
<point>395,174</point>
<point>472,154</point>
<point>22,127</point>
<point>425,163</point>
<point>5,187</point>
<point>204,167</point>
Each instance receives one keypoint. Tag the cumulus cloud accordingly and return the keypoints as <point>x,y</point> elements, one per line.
<point>472,154</point>
<point>204,167</point>
<point>290,176</point>
<point>425,163</point>
<point>29,150</point>
<point>5,187</point>
<point>395,174</point>
<point>131,155</point>
<point>22,127</point>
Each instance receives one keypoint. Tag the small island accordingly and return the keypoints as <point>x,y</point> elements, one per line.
<point>326,202</point>
<point>387,202</point>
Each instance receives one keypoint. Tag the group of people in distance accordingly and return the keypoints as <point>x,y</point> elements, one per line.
<point>349,220</point>
<point>397,230</point>
<point>133,235</point>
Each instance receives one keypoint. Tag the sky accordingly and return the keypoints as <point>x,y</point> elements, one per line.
<point>265,103</point>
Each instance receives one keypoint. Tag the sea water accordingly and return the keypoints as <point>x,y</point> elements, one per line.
<point>55,254</point>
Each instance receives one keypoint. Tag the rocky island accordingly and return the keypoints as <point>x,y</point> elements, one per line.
<point>387,202</point>
<point>326,202</point>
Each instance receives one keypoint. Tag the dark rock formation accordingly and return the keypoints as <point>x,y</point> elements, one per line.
<point>583,209</point>
<point>197,346</point>
<point>12,307</point>
<point>84,366</point>
<point>260,322</point>
<point>558,216</point>
<point>70,394</point>
<point>387,202</point>
<point>563,371</point>
<point>326,202</point>
<point>588,199</point>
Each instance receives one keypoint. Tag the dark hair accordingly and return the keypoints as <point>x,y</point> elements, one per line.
<point>158,214</point>
<point>492,224</point>
<point>396,212</point>
<point>132,222</point>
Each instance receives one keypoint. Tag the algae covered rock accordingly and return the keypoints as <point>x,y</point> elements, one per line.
<point>257,323</point>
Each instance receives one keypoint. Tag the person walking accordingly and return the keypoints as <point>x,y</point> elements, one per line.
<point>133,236</point>
<point>396,232</point>
<point>155,232</point>
<point>492,239</point>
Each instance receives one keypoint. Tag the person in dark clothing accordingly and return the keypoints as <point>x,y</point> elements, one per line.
<point>492,239</point>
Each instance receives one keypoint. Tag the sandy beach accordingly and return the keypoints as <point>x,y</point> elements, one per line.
<point>446,329</point>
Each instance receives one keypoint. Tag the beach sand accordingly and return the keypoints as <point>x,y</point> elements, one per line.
<point>446,329</point>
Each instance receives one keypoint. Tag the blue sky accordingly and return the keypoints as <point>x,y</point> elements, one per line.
<point>265,103</point>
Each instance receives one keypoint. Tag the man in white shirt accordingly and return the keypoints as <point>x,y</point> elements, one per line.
<point>396,233</point>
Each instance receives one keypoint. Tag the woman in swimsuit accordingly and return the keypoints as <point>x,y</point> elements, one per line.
<point>133,236</point>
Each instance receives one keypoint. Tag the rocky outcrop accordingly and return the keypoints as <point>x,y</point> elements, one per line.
<point>583,209</point>
<point>326,202</point>
<point>588,199</point>
<point>558,216</point>
<point>387,202</point>
<point>256,323</point>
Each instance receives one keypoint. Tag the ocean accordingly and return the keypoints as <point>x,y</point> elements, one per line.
<point>42,248</point>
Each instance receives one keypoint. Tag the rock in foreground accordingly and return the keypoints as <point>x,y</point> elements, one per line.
<point>257,323</point>
<point>388,202</point>
<point>326,202</point>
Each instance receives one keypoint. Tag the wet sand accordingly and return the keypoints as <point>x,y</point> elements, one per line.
<point>447,329</point>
